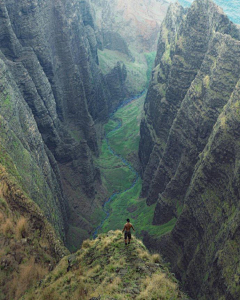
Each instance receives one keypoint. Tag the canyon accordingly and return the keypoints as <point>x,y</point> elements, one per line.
<point>111,110</point>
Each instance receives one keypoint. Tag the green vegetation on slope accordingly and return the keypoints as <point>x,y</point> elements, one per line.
<point>104,269</point>
<point>22,162</point>
<point>125,140</point>
<point>117,177</point>
<point>138,71</point>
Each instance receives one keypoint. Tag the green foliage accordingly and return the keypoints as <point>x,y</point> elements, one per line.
<point>138,71</point>
<point>166,56</point>
<point>198,87</point>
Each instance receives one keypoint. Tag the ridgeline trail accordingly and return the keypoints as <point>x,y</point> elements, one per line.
<point>107,210</point>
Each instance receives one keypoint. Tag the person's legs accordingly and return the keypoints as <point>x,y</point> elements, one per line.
<point>126,238</point>
<point>129,238</point>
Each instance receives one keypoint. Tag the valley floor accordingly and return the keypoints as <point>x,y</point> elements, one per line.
<point>119,166</point>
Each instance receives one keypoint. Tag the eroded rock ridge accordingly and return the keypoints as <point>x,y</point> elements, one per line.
<point>189,148</point>
<point>52,96</point>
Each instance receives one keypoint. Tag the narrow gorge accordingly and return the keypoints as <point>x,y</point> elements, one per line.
<point>112,110</point>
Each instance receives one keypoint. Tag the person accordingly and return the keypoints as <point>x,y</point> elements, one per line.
<point>127,228</point>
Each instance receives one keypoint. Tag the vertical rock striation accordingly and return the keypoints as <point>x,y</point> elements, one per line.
<point>52,85</point>
<point>190,168</point>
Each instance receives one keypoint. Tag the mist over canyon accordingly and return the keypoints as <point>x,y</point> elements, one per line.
<point>112,110</point>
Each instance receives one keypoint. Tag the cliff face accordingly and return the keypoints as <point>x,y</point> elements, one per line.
<point>190,169</point>
<point>52,94</point>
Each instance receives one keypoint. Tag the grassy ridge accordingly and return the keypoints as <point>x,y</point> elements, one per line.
<point>106,269</point>
<point>119,177</point>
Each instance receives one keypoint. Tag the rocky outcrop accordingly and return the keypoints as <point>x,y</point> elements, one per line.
<point>207,260</point>
<point>192,130</point>
<point>24,154</point>
<point>116,83</point>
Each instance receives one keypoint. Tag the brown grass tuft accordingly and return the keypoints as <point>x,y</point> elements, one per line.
<point>22,228</point>
<point>159,287</point>
<point>156,258</point>
<point>1,218</point>
<point>28,275</point>
<point>87,243</point>
<point>143,254</point>
<point>7,227</point>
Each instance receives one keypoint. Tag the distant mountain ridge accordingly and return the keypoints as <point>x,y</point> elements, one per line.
<point>138,22</point>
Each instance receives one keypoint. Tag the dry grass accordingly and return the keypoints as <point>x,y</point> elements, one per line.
<point>28,274</point>
<point>108,268</point>
<point>143,254</point>
<point>7,227</point>
<point>156,258</point>
<point>23,262</point>
<point>2,218</point>
<point>22,228</point>
<point>86,244</point>
<point>158,287</point>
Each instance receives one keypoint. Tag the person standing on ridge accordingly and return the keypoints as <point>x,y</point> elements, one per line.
<point>127,228</point>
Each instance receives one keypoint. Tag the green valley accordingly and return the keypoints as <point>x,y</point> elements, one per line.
<point>118,161</point>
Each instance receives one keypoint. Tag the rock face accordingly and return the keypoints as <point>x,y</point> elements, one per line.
<point>52,94</point>
<point>188,148</point>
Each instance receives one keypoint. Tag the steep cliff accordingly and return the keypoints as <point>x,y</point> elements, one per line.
<point>52,95</point>
<point>188,147</point>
